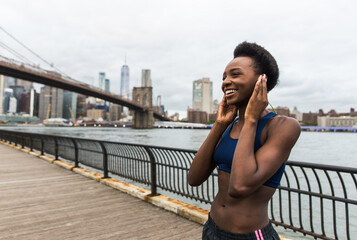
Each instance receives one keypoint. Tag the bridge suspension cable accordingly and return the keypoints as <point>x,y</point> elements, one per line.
<point>31,51</point>
<point>16,54</point>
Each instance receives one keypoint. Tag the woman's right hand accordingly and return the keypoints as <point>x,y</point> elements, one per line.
<point>226,113</point>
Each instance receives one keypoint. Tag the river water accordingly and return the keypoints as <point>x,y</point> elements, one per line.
<point>332,148</point>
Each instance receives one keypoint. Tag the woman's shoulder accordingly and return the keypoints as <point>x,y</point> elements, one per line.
<point>281,124</point>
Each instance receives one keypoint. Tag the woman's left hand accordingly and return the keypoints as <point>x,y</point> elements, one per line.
<point>259,99</point>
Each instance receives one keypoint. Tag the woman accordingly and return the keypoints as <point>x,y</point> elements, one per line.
<point>249,169</point>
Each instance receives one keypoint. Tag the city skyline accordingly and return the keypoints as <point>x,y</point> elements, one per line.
<point>20,99</point>
<point>314,45</point>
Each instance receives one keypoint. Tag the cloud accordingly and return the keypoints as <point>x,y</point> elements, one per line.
<point>314,43</point>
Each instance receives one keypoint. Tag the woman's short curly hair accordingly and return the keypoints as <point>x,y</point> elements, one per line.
<point>264,62</point>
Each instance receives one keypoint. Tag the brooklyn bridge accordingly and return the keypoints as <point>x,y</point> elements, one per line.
<point>141,104</point>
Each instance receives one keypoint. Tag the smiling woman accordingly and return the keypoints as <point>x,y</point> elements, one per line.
<point>249,169</point>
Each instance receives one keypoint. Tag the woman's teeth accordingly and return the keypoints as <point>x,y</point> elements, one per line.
<point>230,91</point>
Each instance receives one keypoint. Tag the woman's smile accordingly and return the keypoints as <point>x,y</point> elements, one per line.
<point>230,92</point>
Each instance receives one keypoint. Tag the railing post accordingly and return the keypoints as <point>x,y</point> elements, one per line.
<point>76,162</point>
<point>42,146</point>
<point>31,147</point>
<point>22,141</point>
<point>153,172</point>
<point>105,159</point>
<point>56,149</point>
<point>15,142</point>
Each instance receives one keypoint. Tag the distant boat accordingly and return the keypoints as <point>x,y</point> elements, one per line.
<point>57,122</point>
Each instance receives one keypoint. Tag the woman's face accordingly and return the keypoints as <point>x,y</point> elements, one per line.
<point>239,79</point>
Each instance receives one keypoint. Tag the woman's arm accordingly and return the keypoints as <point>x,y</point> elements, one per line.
<point>250,170</point>
<point>203,164</point>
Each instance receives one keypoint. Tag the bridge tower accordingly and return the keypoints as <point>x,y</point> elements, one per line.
<point>143,119</point>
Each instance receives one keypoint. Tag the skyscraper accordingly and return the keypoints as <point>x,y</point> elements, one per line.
<point>146,78</point>
<point>69,104</point>
<point>12,105</point>
<point>202,95</point>
<point>81,106</point>
<point>51,103</point>
<point>124,82</point>
<point>101,80</point>
<point>27,85</point>
<point>9,81</point>
<point>107,85</point>
<point>159,100</point>
<point>8,93</point>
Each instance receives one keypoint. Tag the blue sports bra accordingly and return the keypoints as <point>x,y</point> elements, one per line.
<point>223,154</point>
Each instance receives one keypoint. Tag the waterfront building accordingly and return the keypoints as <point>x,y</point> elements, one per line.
<point>96,114</point>
<point>7,95</point>
<point>352,112</point>
<point>146,78</point>
<point>175,117</point>
<point>69,104</point>
<point>91,100</point>
<point>285,111</point>
<point>28,103</point>
<point>12,105</point>
<point>36,104</point>
<point>81,106</point>
<point>337,121</point>
<point>196,116</point>
<point>2,93</point>
<point>124,82</point>
<point>24,103</point>
<point>297,114</point>
<point>309,118</point>
<point>114,112</point>
<point>215,106</point>
<point>101,80</point>
<point>212,117</point>
<point>202,95</point>
<point>51,103</point>
<point>9,81</point>
<point>27,85</point>
<point>17,91</point>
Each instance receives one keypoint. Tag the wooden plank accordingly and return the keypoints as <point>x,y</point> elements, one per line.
<point>40,200</point>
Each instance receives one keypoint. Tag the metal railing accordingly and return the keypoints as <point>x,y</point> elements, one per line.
<point>313,199</point>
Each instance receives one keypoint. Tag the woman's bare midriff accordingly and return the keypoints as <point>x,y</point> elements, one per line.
<point>242,214</point>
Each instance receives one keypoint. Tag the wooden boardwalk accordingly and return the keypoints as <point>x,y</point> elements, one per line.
<point>39,200</point>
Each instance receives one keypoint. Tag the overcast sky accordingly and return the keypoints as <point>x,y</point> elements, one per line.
<point>314,43</point>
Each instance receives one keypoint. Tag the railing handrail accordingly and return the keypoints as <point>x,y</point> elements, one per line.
<point>100,140</point>
<point>327,167</point>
